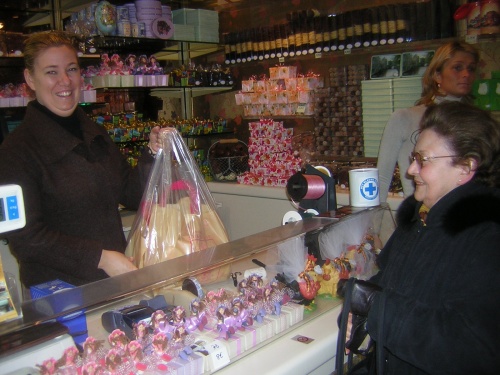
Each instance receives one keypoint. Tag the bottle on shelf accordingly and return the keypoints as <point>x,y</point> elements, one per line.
<point>391,24</point>
<point>246,53</point>
<point>260,38</point>
<point>291,35</point>
<point>246,47</point>
<point>232,48</point>
<point>227,48</point>
<point>297,32</point>
<point>401,23</point>
<point>267,43</point>
<point>384,31</point>
<point>433,21</point>
<point>255,44</point>
<point>423,13</point>
<point>311,32</point>
<point>249,45</point>
<point>411,12</point>
<point>349,30</point>
<point>367,27</point>
<point>278,40</point>
<point>272,42</point>
<point>318,25</point>
<point>239,50</point>
<point>375,21</point>
<point>90,48</point>
<point>446,19</point>
<point>334,32</point>
<point>341,30</point>
<point>304,32</point>
<point>284,31</point>
<point>326,33</point>
<point>357,25</point>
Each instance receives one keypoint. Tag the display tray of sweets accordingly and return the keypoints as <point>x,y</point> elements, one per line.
<point>197,336</point>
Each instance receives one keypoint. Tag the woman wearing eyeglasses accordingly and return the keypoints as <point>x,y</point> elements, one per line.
<point>437,311</point>
<point>449,77</point>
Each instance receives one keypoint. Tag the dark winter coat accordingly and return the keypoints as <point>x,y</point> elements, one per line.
<point>72,188</point>
<point>441,285</point>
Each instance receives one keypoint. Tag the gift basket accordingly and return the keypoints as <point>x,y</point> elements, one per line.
<point>177,215</point>
<point>228,158</point>
<point>352,245</point>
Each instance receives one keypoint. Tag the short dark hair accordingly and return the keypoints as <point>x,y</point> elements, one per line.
<point>471,133</point>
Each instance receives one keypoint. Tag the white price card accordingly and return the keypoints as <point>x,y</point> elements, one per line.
<point>218,354</point>
<point>471,39</point>
<point>301,109</point>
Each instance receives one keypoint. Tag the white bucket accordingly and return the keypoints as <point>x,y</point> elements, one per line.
<point>364,187</point>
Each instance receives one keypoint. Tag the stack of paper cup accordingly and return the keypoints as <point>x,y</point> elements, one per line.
<point>364,187</point>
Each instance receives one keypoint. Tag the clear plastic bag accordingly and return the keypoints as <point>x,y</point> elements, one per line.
<point>177,214</point>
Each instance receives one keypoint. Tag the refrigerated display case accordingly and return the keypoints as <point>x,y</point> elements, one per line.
<point>309,343</point>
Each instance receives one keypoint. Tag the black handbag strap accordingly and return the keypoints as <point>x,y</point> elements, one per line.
<point>379,347</point>
<point>341,339</point>
<point>339,358</point>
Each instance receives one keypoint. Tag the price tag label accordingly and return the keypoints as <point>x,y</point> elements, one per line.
<point>218,354</point>
<point>281,59</point>
<point>471,39</point>
<point>318,55</point>
<point>347,51</point>
<point>301,109</point>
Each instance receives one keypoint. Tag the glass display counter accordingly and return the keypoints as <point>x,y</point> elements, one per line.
<point>309,344</point>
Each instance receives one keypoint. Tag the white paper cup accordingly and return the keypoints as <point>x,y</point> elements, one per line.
<point>363,187</point>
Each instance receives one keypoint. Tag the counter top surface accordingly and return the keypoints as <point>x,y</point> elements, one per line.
<point>272,192</point>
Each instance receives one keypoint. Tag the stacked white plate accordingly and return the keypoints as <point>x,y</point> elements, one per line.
<point>381,97</point>
<point>148,11</point>
<point>377,105</point>
<point>407,91</point>
<point>184,32</point>
<point>205,22</point>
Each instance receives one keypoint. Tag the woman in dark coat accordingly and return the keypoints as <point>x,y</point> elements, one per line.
<point>438,309</point>
<point>72,175</point>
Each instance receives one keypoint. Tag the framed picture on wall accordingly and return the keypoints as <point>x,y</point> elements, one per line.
<point>415,63</point>
<point>385,66</point>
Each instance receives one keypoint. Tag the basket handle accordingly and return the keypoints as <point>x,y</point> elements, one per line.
<point>230,140</point>
<point>195,200</point>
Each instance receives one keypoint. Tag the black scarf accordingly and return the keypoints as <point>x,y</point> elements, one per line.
<point>70,123</point>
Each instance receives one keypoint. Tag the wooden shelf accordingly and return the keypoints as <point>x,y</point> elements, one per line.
<point>375,50</point>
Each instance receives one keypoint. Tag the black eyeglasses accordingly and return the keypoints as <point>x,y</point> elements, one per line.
<point>416,156</point>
